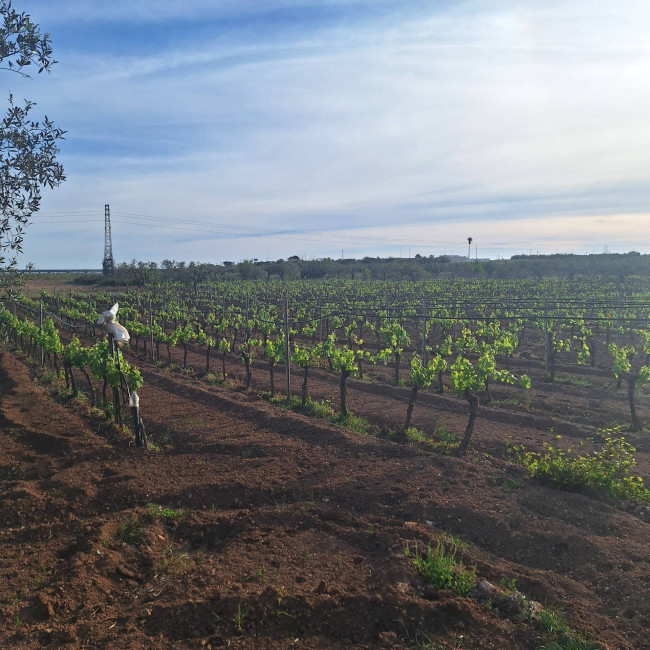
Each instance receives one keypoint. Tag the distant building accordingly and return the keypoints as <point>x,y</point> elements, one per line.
<point>455,259</point>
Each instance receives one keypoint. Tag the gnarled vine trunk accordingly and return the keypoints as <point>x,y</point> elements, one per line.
<point>473,408</point>
<point>344,409</point>
<point>409,410</point>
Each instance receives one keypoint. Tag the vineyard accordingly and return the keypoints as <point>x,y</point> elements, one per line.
<point>440,464</point>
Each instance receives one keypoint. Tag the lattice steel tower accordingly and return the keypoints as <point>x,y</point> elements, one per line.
<point>108,264</point>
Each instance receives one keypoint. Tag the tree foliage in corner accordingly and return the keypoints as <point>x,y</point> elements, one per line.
<point>28,148</point>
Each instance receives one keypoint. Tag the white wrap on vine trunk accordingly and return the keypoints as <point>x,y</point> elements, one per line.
<point>119,332</point>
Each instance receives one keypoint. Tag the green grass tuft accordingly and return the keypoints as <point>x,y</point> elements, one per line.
<point>165,513</point>
<point>441,567</point>
<point>131,532</point>
<point>559,636</point>
<point>324,411</point>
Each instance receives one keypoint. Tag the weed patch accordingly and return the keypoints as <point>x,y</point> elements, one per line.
<point>441,567</point>
<point>324,411</point>
<point>240,616</point>
<point>559,636</point>
<point>415,435</point>
<point>352,422</point>
<point>572,381</point>
<point>446,440</point>
<point>173,562</point>
<point>165,513</point>
<point>131,532</point>
<point>607,471</point>
<point>310,408</point>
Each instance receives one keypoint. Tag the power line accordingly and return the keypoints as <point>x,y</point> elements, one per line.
<point>192,225</point>
<point>218,228</point>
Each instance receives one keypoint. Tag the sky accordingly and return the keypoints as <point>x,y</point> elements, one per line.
<point>239,129</point>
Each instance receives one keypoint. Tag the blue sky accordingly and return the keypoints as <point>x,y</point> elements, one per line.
<point>237,129</point>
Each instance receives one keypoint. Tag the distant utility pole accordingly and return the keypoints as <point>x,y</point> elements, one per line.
<point>108,264</point>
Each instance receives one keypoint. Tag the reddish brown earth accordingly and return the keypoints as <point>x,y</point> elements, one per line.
<point>292,531</point>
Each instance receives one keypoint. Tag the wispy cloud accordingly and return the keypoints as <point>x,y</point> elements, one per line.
<point>182,11</point>
<point>352,115</point>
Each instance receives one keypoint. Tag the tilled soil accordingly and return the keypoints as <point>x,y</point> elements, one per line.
<point>249,526</point>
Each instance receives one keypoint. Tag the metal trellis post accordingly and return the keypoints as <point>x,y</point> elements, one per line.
<point>40,327</point>
<point>151,330</point>
<point>424,329</point>
<point>286,346</point>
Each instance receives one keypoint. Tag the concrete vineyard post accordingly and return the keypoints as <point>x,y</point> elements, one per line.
<point>138,426</point>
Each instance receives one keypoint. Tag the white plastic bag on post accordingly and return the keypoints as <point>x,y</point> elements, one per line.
<point>119,332</point>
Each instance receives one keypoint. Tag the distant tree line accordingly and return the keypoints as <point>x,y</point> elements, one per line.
<point>376,268</point>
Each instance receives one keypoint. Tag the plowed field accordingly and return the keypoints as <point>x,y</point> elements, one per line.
<point>249,526</point>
